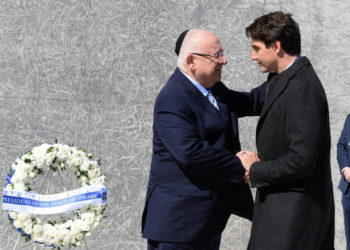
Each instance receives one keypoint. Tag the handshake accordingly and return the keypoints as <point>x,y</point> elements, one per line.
<point>247,158</point>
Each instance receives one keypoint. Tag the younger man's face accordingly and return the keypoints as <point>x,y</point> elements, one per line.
<point>265,57</point>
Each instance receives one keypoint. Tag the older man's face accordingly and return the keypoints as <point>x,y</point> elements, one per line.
<point>208,69</point>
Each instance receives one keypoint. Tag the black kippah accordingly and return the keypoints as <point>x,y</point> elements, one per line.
<point>179,42</point>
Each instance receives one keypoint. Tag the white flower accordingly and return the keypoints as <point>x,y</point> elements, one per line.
<point>27,168</point>
<point>67,239</point>
<point>88,217</point>
<point>19,176</point>
<point>64,233</point>
<point>18,223</point>
<point>98,181</point>
<point>42,149</point>
<point>84,226</point>
<point>22,166</point>
<point>77,157</point>
<point>93,164</point>
<point>96,224</point>
<point>75,228</point>
<point>47,228</point>
<point>63,152</point>
<point>40,161</point>
<point>84,179</point>
<point>93,173</point>
<point>84,166</point>
<point>22,216</point>
<point>32,175</point>
<point>49,158</point>
<point>13,215</point>
<point>59,233</point>
<point>68,223</point>
<point>27,227</point>
<point>19,186</point>
<point>37,229</point>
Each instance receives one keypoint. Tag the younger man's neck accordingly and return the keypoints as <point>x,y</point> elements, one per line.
<point>285,62</point>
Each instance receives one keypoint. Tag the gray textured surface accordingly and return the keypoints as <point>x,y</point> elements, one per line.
<point>88,72</point>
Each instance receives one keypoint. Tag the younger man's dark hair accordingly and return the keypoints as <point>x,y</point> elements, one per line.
<point>276,26</point>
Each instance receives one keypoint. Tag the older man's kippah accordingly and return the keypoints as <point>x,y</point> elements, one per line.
<point>179,42</point>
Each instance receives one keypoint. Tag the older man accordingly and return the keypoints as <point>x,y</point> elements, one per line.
<point>196,181</point>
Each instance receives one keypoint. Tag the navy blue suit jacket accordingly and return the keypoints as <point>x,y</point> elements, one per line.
<point>196,181</point>
<point>343,154</point>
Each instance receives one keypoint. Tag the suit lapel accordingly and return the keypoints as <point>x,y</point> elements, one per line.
<point>197,96</point>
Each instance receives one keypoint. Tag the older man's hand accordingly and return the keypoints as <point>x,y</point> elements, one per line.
<point>247,158</point>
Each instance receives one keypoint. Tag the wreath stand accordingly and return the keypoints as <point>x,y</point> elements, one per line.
<point>49,175</point>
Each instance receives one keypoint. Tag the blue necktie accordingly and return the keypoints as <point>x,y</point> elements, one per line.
<point>212,99</point>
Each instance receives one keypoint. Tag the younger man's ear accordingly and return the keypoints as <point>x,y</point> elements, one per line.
<point>276,45</point>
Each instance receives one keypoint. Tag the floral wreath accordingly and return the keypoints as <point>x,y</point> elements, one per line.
<point>56,157</point>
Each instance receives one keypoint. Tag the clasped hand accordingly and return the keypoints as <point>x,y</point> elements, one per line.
<point>247,158</point>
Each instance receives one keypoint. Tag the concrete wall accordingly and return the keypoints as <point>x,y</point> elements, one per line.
<point>88,71</point>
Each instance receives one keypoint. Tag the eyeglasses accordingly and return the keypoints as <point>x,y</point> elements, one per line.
<point>216,56</point>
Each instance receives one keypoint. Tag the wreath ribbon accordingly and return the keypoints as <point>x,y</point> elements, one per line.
<point>28,202</point>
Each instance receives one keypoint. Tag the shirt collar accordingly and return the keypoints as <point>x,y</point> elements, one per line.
<point>203,90</point>
<point>292,62</point>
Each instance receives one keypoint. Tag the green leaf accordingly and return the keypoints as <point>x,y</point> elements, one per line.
<point>26,237</point>
<point>51,223</point>
<point>82,149</point>
<point>40,171</point>
<point>26,160</point>
<point>84,173</point>
<point>53,168</point>
<point>50,149</point>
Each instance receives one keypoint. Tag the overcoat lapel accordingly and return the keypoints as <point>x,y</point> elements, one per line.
<point>279,83</point>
